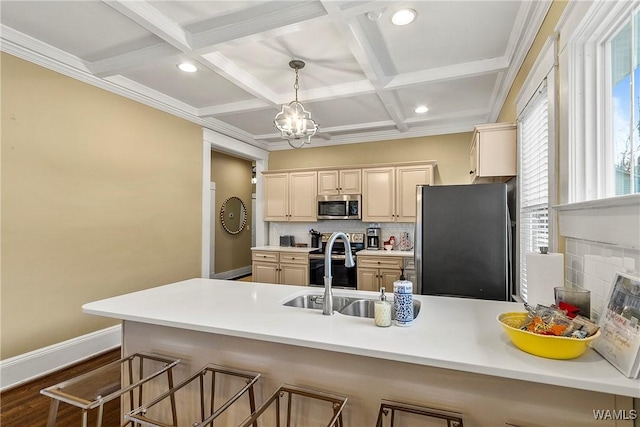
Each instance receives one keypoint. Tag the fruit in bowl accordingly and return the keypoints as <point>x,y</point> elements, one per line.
<point>549,346</point>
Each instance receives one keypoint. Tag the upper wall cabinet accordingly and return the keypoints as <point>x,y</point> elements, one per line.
<point>407,178</point>
<point>493,153</point>
<point>290,196</point>
<point>378,194</point>
<point>346,181</point>
<point>389,193</point>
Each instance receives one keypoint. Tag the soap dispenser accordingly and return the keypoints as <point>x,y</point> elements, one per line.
<point>382,310</point>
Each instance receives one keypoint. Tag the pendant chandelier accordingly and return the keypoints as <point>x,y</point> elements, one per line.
<point>293,121</point>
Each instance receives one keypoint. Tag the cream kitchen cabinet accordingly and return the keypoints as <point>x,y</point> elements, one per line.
<point>279,267</point>
<point>290,196</point>
<point>407,178</point>
<point>375,272</point>
<point>493,153</point>
<point>378,194</point>
<point>389,193</point>
<point>345,181</point>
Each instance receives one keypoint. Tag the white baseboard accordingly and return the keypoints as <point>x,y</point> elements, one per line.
<point>232,274</point>
<point>26,367</point>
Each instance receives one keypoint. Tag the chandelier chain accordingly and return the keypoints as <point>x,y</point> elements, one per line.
<point>296,86</point>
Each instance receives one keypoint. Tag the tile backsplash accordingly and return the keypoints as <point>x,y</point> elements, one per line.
<point>592,266</point>
<point>300,230</point>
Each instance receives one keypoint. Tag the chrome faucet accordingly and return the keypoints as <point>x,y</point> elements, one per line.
<point>327,301</point>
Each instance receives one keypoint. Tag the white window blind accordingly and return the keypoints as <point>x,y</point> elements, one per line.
<point>533,184</point>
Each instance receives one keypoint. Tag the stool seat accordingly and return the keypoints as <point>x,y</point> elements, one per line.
<point>106,383</point>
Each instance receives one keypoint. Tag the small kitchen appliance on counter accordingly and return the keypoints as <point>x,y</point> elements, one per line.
<point>316,241</point>
<point>374,238</point>
<point>287,240</point>
<point>343,276</point>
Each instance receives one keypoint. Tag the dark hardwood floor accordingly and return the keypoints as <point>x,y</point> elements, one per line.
<point>24,406</point>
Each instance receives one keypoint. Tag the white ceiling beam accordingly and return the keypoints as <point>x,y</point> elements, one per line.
<point>457,115</point>
<point>344,90</point>
<point>120,63</point>
<point>233,107</point>
<point>150,18</point>
<point>320,94</point>
<point>267,20</point>
<point>449,72</point>
<point>328,130</point>
<point>238,76</point>
<point>368,59</point>
<point>360,8</point>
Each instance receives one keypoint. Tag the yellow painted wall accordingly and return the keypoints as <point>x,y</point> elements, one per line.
<point>508,112</point>
<point>233,178</point>
<point>450,151</point>
<point>100,196</point>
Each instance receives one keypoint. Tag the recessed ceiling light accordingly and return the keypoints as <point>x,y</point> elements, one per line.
<point>187,67</point>
<point>421,109</point>
<point>403,16</point>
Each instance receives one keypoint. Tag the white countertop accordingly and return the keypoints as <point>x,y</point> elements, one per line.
<point>283,249</point>
<point>471,341</point>
<point>385,253</point>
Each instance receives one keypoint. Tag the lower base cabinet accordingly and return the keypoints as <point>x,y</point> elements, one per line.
<point>375,272</point>
<point>283,268</point>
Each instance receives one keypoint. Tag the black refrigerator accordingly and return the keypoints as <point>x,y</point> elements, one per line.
<point>463,240</point>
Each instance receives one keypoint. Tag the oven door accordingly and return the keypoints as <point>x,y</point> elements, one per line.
<point>343,277</point>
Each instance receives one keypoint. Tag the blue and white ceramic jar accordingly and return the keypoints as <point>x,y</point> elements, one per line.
<point>403,302</point>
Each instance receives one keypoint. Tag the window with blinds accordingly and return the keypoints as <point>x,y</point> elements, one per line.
<point>533,182</point>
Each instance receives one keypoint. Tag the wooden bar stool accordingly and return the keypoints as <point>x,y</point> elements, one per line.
<point>289,402</point>
<point>95,388</point>
<point>395,414</point>
<point>201,399</point>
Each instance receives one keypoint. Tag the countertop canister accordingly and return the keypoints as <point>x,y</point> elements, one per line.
<point>403,302</point>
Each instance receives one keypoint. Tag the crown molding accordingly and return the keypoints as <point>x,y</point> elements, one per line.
<point>37,52</point>
<point>530,18</point>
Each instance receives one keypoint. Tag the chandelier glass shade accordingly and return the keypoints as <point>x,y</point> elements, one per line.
<point>293,121</point>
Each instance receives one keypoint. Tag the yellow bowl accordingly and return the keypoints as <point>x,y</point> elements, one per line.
<point>551,347</point>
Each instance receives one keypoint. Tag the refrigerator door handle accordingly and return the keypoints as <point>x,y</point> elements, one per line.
<point>417,244</point>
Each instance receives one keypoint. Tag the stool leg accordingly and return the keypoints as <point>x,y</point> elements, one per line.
<point>85,420</point>
<point>172,398</point>
<point>252,403</point>
<point>53,412</point>
<point>100,414</point>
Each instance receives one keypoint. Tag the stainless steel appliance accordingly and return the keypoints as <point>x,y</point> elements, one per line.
<point>345,206</point>
<point>343,277</point>
<point>374,238</point>
<point>463,241</point>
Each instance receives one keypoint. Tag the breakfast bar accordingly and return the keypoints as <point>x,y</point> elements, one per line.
<point>454,357</point>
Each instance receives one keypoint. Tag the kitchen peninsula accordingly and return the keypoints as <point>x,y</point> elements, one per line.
<point>454,357</point>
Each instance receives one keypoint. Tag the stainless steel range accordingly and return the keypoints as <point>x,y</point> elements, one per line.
<point>343,277</point>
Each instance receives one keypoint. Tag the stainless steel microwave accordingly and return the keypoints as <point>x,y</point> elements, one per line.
<point>345,206</point>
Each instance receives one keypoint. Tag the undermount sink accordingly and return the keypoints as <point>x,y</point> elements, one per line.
<point>314,301</point>
<point>349,306</point>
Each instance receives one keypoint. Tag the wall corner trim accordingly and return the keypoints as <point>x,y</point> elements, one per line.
<point>25,367</point>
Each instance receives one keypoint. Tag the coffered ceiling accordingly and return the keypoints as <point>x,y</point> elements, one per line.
<point>363,77</point>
